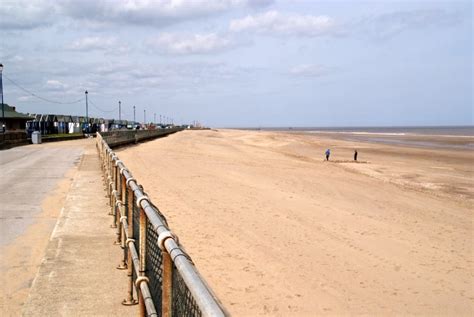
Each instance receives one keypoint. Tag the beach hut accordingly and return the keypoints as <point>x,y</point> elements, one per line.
<point>111,123</point>
<point>96,124</point>
<point>82,123</point>
<point>75,127</point>
<point>33,125</point>
<point>49,123</point>
<point>63,123</point>
<point>101,125</point>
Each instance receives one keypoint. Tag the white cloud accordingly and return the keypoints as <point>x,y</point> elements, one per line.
<point>25,98</point>
<point>309,70</point>
<point>53,84</point>
<point>275,23</point>
<point>178,43</point>
<point>151,12</point>
<point>30,14</point>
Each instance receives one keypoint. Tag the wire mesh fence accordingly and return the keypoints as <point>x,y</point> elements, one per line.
<point>154,260</point>
<point>161,275</point>
<point>183,303</point>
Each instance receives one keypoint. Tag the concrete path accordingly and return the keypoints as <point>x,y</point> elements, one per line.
<point>78,275</point>
<point>34,180</point>
<point>28,174</point>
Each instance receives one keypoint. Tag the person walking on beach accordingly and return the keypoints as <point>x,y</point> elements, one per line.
<point>355,155</point>
<point>328,153</point>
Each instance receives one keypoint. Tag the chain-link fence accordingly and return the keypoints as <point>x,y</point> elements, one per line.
<point>162,278</point>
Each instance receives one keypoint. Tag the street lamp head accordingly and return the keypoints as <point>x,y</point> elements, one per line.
<point>86,92</point>
<point>1,67</point>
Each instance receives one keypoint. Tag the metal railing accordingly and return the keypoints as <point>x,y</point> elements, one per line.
<point>162,278</point>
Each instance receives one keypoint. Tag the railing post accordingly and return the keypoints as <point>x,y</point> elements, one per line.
<point>129,202</point>
<point>111,182</point>
<point>120,231</point>
<point>114,201</point>
<point>118,206</point>
<point>167,285</point>
<point>142,256</point>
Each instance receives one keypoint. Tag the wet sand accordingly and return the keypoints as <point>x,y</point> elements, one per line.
<point>276,230</point>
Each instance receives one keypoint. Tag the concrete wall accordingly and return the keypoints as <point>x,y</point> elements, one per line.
<point>123,137</point>
<point>10,139</point>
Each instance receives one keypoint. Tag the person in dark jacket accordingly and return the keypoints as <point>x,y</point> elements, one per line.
<point>328,153</point>
<point>355,155</point>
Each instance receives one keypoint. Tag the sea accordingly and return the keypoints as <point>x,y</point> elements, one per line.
<point>447,137</point>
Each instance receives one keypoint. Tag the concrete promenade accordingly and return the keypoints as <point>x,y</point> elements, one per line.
<point>77,274</point>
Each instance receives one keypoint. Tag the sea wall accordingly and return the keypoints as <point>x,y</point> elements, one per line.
<point>124,137</point>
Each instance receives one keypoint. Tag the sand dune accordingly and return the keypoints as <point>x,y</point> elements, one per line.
<point>275,230</point>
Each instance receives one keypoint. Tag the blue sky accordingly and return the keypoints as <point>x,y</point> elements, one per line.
<point>241,63</point>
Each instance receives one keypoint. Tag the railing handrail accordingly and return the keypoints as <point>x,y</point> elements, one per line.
<point>204,297</point>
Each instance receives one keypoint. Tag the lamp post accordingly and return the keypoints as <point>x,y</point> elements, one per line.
<point>3,106</point>
<point>87,111</point>
<point>144,117</point>
<point>134,115</point>
<point>120,110</point>
<point>154,118</point>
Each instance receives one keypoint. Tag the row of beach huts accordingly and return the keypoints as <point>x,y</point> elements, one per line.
<point>18,122</point>
<point>18,127</point>
<point>67,124</point>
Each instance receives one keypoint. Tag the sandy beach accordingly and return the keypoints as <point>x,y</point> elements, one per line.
<point>276,230</point>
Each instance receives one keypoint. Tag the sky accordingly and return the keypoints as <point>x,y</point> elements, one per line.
<point>242,63</point>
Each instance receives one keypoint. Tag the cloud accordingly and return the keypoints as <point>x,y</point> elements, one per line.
<point>378,26</point>
<point>26,14</point>
<point>56,85</point>
<point>309,70</point>
<point>387,25</point>
<point>275,23</point>
<point>30,14</point>
<point>25,98</point>
<point>168,77</point>
<point>181,44</point>
<point>259,3</point>
<point>110,44</point>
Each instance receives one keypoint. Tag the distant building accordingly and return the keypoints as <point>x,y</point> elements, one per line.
<point>15,127</point>
<point>15,121</point>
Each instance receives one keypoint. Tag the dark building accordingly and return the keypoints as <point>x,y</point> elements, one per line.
<point>15,127</point>
<point>15,121</point>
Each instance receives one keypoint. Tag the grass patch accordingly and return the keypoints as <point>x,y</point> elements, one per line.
<point>61,135</point>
